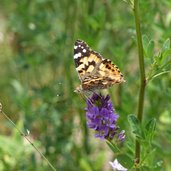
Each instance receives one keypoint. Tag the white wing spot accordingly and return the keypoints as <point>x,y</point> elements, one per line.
<point>75,47</point>
<point>77,55</point>
<point>84,50</point>
<point>79,45</point>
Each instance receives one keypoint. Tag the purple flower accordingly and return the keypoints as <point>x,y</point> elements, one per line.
<point>117,166</point>
<point>121,135</point>
<point>102,118</point>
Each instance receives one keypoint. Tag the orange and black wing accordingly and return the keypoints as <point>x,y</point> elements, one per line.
<point>94,71</point>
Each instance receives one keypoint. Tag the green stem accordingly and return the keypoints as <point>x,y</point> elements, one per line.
<point>25,136</point>
<point>142,75</point>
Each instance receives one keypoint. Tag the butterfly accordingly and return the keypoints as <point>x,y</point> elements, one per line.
<point>94,71</point>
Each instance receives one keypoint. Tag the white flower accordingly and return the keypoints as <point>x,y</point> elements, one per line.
<point>117,166</point>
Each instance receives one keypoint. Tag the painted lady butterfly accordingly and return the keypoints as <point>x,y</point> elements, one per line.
<point>94,71</point>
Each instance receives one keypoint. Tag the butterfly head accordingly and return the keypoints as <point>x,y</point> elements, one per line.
<point>79,90</point>
<point>84,93</point>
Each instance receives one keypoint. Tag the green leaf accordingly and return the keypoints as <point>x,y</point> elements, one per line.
<point>135,126</point>
<point>166,45</point>
<point>159,74</point>
<point>112,146</point>
<point>151,125</point>
<point>165,55</point>
<point>150,129</point>
<point>150,49</point>
<point>84,165</point>
<point>145,44</point>
<point>148,46</point>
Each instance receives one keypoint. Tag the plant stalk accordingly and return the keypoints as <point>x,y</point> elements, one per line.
<point>142,76</point>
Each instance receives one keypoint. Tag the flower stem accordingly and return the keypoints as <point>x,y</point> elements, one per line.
<point>26,138</point>
<point>142,76</point>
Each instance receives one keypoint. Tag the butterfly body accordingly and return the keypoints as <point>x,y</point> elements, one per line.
<point>94,71</point>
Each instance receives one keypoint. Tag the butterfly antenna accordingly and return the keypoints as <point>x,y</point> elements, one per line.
<point>83,97</point>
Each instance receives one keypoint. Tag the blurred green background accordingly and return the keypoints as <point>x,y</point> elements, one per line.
<point>38,77</point>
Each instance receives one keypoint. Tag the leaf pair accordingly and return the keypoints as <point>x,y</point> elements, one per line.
<point>145,133</point>
<point>158,62</point>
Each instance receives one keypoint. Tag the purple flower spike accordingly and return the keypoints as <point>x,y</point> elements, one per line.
<point>101,117</point>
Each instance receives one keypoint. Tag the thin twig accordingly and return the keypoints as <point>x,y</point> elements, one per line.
<point>25,136</point>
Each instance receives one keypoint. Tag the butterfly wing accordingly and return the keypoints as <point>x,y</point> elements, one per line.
<point>94,71</point>
<point>85,59</point>
<point>106,75</point>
